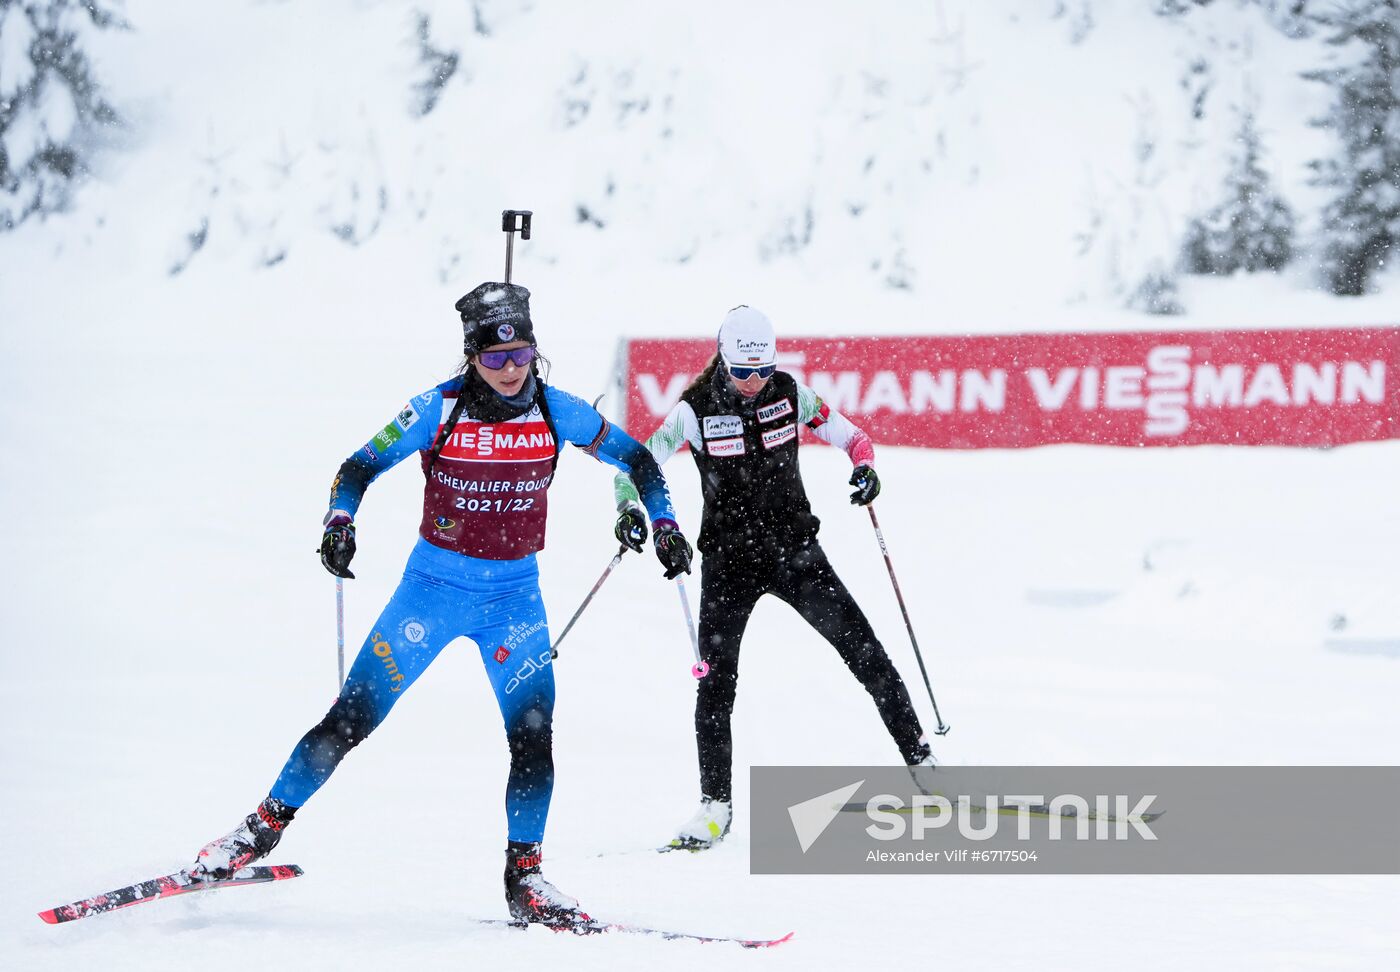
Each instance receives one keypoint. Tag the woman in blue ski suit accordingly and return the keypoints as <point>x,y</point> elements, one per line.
<point>488,440</point>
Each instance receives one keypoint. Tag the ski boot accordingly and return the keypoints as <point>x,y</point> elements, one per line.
<point>707,828</point>
<point>533,900</point>
<point>250,841</point>
<point>921,770</point>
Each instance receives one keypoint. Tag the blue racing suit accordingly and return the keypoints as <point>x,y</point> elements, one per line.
<point>472,574</point>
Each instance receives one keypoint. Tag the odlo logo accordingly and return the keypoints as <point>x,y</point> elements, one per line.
<point>531,666</point>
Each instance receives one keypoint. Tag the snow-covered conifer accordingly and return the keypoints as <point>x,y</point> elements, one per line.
<point>1251,228</point>
<point>1361,222</point>
<point>51,106</point>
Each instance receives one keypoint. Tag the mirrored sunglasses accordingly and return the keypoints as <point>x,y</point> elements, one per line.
<point>496,360</point>
<point>742,374</point>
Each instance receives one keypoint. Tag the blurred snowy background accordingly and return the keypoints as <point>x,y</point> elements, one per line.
<point>1093,152</point>
<point>230,237</point>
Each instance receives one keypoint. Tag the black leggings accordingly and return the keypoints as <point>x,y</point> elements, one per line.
<point>729,589</point>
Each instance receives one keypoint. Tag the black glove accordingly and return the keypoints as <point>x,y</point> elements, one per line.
<point>867,485</point>
<point>338,546</point>
<point>672,549</point>
<point>631,530</point>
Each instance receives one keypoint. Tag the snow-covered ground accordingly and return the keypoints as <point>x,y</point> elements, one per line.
<point>169,633</point>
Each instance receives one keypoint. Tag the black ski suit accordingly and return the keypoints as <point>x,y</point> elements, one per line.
<point>758,536</point>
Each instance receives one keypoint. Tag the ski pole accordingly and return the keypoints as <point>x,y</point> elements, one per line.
<point>943,727</point>
<point>340,632</point>
<point>514,221</point>
<point>701,668</point>
<point>554,652</point>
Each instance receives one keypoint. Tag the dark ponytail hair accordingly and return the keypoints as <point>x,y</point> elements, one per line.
<point>706,376</point>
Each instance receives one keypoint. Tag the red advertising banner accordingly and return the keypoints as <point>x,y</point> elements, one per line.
<point>1303,387</point>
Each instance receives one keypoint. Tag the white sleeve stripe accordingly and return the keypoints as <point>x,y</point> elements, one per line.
<point>837,430</point>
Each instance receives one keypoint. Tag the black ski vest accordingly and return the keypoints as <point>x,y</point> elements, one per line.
<point>755,504</point>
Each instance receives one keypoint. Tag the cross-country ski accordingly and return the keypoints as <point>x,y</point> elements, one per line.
<point>166,886</point>
<point>600,927</point>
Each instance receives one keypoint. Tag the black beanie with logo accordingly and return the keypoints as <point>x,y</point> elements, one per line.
<point>495,313</point>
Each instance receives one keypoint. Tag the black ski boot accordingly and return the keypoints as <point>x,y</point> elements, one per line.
<point>923,767</point>
<point>532,899</point>
<point>250,841</point>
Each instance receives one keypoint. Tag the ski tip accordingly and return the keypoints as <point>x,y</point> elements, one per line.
<point>50,917</point>
<point>252,874</point>
<point>769,943</point>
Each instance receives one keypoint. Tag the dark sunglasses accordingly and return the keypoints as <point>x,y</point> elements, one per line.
<point>743,374</point>
<point>496,360</point>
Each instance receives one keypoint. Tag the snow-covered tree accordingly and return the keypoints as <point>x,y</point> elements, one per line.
<point>1361,223</point>
<point>51,106</point>
<point>1156,293</point>
<point>440,65</point>
<point>1133,231</point>
<point>1251,229</point>
<point>1290,16</point>
<point>1177,8</point>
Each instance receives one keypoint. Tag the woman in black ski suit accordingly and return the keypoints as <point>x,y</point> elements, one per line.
<point>758,536</point>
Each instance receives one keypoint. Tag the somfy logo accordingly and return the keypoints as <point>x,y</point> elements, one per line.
<point>810,818</point>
